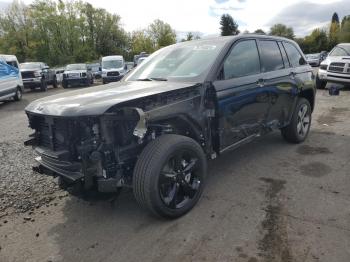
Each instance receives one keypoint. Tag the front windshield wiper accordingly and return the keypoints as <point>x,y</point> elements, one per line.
<point>152,79</point>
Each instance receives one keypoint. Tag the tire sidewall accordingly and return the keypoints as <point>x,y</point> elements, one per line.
<point>157,164</point>
<point>301,102</point>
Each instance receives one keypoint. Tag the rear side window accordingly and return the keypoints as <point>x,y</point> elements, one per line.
<point>295,58</point>
<point>243,60</point>
<point>271,58</point>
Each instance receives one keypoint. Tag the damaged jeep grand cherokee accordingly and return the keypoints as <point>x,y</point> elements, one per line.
<point>187,103</point>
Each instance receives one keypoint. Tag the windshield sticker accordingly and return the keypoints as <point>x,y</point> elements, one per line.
<point>204,47</point>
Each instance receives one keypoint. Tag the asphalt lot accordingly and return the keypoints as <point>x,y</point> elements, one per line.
<point>266,201</point>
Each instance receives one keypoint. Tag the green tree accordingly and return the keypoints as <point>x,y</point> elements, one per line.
<point>344,33</point>
<point>316,42</point>
<point>141,42</point>
<point>16,31</point>
<point>260,31</point>
<point>334,31</point>
<point>282,30</point>
<point>228,25</point>
<point>161,34</point>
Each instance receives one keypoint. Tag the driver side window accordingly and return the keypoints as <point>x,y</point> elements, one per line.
<point>243,60</point>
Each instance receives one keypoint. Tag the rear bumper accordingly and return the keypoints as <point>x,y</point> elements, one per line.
<point>334,77</point>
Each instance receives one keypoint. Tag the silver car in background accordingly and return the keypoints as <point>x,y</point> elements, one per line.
<point>314,59</point>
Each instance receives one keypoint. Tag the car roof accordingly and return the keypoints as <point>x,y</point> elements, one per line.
<point>8,57</point>
<point>112,57</point>
<point>232,38</point>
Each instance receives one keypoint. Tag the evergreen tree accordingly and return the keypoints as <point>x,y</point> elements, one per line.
<point>335,18</point>
<point>228,25</point>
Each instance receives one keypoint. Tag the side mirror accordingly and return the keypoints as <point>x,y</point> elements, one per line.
<point>125,67</point>
<point>100,69</point>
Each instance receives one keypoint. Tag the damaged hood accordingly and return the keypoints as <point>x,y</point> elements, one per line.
<point>97,100</point>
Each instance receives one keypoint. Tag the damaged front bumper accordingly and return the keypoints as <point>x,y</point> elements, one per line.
<point>53,164</point>
<point>93,153</point>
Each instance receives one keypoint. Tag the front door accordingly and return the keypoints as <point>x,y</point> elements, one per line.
<point>243,100</point>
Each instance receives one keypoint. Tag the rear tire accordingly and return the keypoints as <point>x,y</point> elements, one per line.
<point>18,95</point>
<point>320,84</point>
<point>299,126</point>
<point>169,175</point>
<point>64,84</point>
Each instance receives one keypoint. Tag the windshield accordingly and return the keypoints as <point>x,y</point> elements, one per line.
<point>76,67</point>
<point>180,62</point>
<point>340,50</point>
<point>109,64</point>
<point>30,66</point>
<point>313,56</point>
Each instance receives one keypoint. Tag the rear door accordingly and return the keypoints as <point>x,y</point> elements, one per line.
<point>243,101</point>
<point>301,72</point>
<point>279,80</point>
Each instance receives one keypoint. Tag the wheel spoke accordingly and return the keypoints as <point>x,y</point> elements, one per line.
<point>178,162</point>
<point>173,196</point>
<point>306,120</point>
<point>189,189</point>
<point>190,166</point>
<point>299,127</point>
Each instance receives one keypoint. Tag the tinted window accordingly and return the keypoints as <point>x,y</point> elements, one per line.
<point>243,60</point>
<point>295,58</point>
<point>339,51</point>
<point>271,58</point>
<point>12,63</point>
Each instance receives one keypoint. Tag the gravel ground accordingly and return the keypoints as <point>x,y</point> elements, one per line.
<point>21,189</point>
<point>268,201</point>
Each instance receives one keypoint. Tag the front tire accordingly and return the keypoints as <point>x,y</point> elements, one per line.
<point>18,95</point>
<point>169,176</point>
<point>64,84</point>
<point>55,84</point>
<point>299,126</point>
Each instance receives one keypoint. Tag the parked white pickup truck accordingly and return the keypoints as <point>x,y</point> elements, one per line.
<point>336,67</point>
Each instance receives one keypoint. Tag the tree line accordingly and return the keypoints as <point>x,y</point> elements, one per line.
<point>62,32</point>
<point>320,39</point>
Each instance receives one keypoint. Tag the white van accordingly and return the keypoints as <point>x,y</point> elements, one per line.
<point>113,68</point>
<point>11,85</point>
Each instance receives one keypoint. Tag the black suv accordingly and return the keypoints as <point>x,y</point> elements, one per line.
<point>37,74</point>
<point>186,103</point>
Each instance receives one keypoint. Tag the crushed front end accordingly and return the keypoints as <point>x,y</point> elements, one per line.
<point>95,152</point>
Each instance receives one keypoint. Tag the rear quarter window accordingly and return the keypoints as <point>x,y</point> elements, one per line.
<point>295,57</point>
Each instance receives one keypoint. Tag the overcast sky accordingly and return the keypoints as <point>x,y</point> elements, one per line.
<point>204,15</point>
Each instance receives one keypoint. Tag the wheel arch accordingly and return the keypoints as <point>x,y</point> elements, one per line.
<point>309,95</point>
